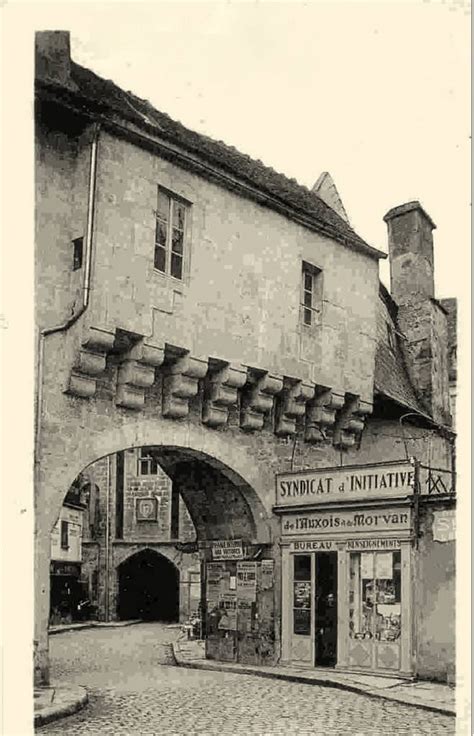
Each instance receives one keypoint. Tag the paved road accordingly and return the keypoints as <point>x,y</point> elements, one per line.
<point>134,692</point>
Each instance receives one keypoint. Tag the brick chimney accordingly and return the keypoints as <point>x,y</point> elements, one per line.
<point>421,318</point>
<point>53,58</point>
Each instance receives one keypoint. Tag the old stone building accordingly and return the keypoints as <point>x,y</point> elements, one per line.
<point>193,301</point>
<point>139,552</point>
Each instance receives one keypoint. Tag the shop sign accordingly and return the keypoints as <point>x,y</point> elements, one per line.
<point>360,520</point>
<point>351,483</point>
<point>65,568</point>
<point>227,549</point>
<point>353,545</point>
<point>247,580</point>
<point>444,526</point>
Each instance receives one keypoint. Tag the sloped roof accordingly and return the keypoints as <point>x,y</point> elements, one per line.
<point>107,99</point>
<point>391,377</point>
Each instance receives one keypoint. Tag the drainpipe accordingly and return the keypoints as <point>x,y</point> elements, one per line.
<point>86,285</point>
<point>107,541</point>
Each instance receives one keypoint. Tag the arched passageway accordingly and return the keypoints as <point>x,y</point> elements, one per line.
<point>148,588</point>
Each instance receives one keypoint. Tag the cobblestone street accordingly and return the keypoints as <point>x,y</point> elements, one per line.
<point>134,689</point>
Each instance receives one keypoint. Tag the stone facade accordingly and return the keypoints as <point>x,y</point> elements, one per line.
<point>103,537</point>
<point>217,371</point>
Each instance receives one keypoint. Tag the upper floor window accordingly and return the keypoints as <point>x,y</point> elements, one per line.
<point>311,294</point>
<point>170,234</point>
<point>147,462</point>
<point>64,534</point>
<point>78,247</point>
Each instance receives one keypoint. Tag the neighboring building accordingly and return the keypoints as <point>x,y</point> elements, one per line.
<point>67,590</point>
<point>196,303</point>
<point>450,306</point>
<point>138,542</point>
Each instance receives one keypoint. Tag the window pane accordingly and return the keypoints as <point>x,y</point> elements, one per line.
<point>163,204</point>
<point>161,232</point>
<point>302,567</point>
<point>160,258</point>
<point>308,299</point>
<point>178,215</point>
<point>308,281</point>
<point>302,621</point>
<point>388,599</point>
<point>307,316</point>
<point>176,266</point>
<point>177,241</point>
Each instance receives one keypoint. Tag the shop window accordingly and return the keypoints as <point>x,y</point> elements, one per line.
<point>147,462</point>
<point>375,596</point>
<point>302,594</point>
<point>170,234</point>
<point>64,535</point>
<point>311,294</point>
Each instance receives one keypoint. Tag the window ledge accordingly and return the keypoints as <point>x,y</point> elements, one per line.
<point>176,284</point>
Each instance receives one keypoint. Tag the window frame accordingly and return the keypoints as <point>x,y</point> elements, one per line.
<point>314,309</point>
<point>175,200</point>
<point>150,461</point>
<point>64,534</point>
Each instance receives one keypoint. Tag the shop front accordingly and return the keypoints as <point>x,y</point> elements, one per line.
<point>347,549</point>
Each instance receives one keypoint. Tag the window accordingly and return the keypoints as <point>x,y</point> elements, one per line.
<point>170,234</point>
<point>311,295</point>
<point>302,594</point>
<point>147,462</point>
<point>78,245</point>
<point>375,596</point>
<point>64,535</point>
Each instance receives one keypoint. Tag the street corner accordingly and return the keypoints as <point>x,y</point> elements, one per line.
<point>57,701</point>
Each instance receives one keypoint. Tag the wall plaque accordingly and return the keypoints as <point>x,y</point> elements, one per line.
<point>147,509</point>
<point>227,549</point>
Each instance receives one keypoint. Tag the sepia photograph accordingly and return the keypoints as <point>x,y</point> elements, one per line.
<point>250,244</point>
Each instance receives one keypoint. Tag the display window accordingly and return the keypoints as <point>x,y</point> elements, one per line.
<point>375,605</point>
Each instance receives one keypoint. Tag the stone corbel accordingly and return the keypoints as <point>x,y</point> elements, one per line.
<point>136,373</point>
<point>180,384</point>
<point>257,399</point>
<point>292,405</point>
<point>350,422</point>
<point>220,394</point>
<point>90,363</point>
<point>321,414</point>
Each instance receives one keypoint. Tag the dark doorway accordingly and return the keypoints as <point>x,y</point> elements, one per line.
<point>148,588</point>
<point>326,609</point>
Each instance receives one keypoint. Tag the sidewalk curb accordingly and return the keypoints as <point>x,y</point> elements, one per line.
<point>54,713</point>
<point>302,679</point>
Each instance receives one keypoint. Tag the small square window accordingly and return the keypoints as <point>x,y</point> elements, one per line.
<point>147,462</point>
<point>78,246</point>
<point>170,234</point>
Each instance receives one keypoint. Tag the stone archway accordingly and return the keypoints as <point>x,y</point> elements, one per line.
<point>219,462</point>
<point>148,587</point>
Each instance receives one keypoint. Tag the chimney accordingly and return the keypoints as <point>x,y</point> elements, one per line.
<point>53,58</point>
<point>421,318</point>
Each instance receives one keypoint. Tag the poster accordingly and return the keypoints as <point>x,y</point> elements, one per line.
<point>384,565</point>
<point>228,605</point>
<point>302,594</point>
<point>267,574</point>
<point>214,574</point>
<point>247,580</point>
<point>367,565</point>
